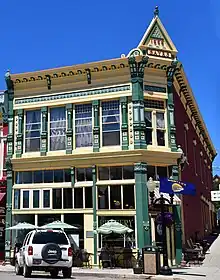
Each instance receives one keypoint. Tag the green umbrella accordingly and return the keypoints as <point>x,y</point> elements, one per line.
<point>113,226</point>
<point>21,226</point>
<point>58,225</point>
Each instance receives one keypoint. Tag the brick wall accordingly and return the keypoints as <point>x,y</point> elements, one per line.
<point>196,212</point>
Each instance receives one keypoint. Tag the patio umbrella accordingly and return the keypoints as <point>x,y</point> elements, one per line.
<point>113,226</point>
<point>58,225</point>
<point>21,226</point>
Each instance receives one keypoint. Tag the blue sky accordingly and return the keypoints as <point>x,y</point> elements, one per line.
<point>41,34</point>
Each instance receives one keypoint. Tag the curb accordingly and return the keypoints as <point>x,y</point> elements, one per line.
<point>110,276</point>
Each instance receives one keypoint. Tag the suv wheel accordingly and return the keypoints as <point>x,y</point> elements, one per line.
<point>67,272</point>
<point>54,273</point>
<point>27,271</point>
<point>18,269</point>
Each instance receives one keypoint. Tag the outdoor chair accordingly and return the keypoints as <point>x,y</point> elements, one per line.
<point>105,258</point>
<point>85,258</point>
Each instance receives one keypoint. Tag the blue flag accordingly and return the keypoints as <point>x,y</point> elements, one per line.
<point>176,187</point>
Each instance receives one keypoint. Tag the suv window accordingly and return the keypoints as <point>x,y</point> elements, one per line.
<point>50,237</point>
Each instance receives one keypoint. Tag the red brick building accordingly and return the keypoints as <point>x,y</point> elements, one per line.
<point>198,211</point>
<point>3,182</point>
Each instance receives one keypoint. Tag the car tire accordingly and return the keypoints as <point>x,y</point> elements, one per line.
<point>27,271</point>
<point>54,273</point>
<point>18,269</point>
<point>67,272</point>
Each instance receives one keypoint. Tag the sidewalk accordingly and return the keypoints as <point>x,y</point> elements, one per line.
<point>105,273</point>
<point>210,268</point>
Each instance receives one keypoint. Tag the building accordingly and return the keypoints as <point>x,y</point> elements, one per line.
<point>82,139</point>
<point>3,183</point>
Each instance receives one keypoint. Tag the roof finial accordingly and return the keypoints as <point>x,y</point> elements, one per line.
<point>156,12</point>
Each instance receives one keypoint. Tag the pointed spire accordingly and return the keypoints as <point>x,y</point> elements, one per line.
<point>156,11</point>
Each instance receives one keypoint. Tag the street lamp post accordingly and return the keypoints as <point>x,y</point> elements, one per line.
<point>165,269</point>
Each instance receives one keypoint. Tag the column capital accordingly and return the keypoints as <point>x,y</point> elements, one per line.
<point>171,72</point>
<point>137,68</point>
<point>44,109</point>
<point>140,167</point>
<point>95,103</point>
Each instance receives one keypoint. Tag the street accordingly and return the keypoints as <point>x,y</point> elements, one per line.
<point>42,276</point>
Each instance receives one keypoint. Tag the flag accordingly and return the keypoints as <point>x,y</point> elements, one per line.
<point>172,186</point>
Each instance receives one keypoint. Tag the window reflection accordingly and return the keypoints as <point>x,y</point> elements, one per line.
<point>115,197</point>
<point>57,199</point>
<point>88,197</point>
<point>48,176</point>
<point>128,197</point>
<point>78,197</point>
<point>67,198</point>
<point>58,176</point>
<point>26,199</point>
<point>103,197</point>
<point>116,173</point>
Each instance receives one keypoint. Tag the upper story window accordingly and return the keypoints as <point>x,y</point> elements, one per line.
<point>83,125</point>
<point>110,123</point>
<point>155,123</point>
<point>57,128</point>
<point>116,173</point>
<point>32,131</point>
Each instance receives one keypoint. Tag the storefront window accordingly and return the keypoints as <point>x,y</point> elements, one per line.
<point>36,198</point>
<point>16,199</point>
<point>57,198</point>
<point>128,197</point>
<point>38,176</point>
<point>67,198</point>
<point>103,197</point>
<point>115,197</point>
<point>88,197</point>
<point>46,198</point>
<point>78,197</point>
<point>26,199</point>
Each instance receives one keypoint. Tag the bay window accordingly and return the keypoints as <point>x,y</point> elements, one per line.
<point>83,125</point>
<point>32,131</point>
<point>111,123</point>
<point>57,128</point>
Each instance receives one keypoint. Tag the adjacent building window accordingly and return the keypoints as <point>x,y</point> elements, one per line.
<point>116,173</point>
<point>26,199</point>
<point>45,176</point>
<point>185,142</point>
<point>36,199</point>
<point>16,199</point>
<point>57,128</point>
<point>83,125</point>
<point>110,123</point>
<point>155,123</point>
<point>32,131</point>
<point>116,197</point>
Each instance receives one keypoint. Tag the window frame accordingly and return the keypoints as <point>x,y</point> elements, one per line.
<point>74,126</point>
<point>24,131</point>
<point>22,199</point>
<point>154,128</point>
<point>101,123</point>
<point>49,127</point>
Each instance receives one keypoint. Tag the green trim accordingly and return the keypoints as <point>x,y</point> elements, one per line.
<point>72,94</point>
<point>124,125</point>
<point>178,221</point>
<point>155,89</point>
<point>69,132</point>
<point>142,214</point>
<point>96,128</point>
<point>44,132</point>
<point>19,138</point>
<point>94,195</point>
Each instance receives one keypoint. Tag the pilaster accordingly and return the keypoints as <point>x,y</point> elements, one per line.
<point>20,136</point>
<point>170,106</point>
<point>8,164</point>
<point>44,131</point>
<point>142,214</point>
<point>124,125</point>
<point>94,196</point>
<point>137,77</point>
<point>178,220</point>
<point>96,127</point>
<point>69,132</point>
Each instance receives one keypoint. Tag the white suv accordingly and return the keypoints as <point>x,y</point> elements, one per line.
<point>45,250</point>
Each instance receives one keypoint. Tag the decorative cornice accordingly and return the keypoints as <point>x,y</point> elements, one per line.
<point>72,94</point>
<point>187,92</point>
